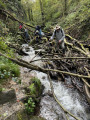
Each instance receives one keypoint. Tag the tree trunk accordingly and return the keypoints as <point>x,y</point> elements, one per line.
<point>65,8</point>
<point>42,13</point>
<point>29,15</point>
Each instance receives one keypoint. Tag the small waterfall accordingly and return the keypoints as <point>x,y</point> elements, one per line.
<point>70,99</point>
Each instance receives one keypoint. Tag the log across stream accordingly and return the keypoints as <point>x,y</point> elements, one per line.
<point>68,97</point>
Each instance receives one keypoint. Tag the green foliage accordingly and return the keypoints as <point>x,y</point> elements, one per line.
<point>35,91</point>
<point>2,89</point>
<point>8,69</point>
<point>35,87</point>
<point>37,83</point>
<point>1,26</point>
<point>4,74</point>
<point>32,89</point>
<point>30,106</point>
<point>48,25</point>
<point>3,46</point>
<point>2,5</point>
<point>56,15</point>
<point>77,21</point>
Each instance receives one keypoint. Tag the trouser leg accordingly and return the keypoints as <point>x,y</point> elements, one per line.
<point>63,47</point>
<point>57,46</point>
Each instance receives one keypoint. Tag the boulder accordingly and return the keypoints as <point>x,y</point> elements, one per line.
<point>7,96</point>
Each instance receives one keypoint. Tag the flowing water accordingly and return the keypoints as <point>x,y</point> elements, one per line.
<point>69,98</point>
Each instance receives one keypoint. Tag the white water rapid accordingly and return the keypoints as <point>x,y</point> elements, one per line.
<point>70,99</point>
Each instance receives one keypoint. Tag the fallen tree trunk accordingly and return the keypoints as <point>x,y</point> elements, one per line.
<point>35,67</point>
<point>13,18</point>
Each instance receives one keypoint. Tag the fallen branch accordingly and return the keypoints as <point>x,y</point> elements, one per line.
<point>78,49</point>
<point>82,58</point>
<point>85,82</point>
<point>69,73</point>
<point>78,42</point>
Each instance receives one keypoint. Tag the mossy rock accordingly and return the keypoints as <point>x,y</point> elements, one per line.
<point>34,90</point>
<point>19,115</point>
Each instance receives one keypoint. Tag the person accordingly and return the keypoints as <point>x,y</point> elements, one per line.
<point>60,36</point>
<point>24,31</point>
<point>38,31</point>
<point>21,27</point>
<point>27,37</point>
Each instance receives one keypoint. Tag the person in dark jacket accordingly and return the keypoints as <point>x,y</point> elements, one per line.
<point>24,33</point>
<point>27,37</point>
<point>38,31</point>
<point>60,36</point>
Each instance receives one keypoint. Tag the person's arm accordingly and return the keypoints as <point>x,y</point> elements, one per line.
<point>63,35</point>
<point>53,35</point>
<point>35,32</point>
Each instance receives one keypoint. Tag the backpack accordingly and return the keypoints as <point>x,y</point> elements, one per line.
<point>61,31</point>
<point>20,27</point>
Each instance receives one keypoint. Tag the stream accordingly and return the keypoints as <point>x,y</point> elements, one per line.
<point>70,98</point>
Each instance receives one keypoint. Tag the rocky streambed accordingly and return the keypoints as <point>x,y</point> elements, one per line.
<point>49,109</point>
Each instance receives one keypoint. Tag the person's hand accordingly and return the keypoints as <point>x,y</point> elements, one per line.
<point>59,41</point>
<point>50,39</point>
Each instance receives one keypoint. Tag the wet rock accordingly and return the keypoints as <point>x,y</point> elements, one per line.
<point>7,96</point>
<point>43,77</point>
<point>49,93</point>
<point>21,52</point>
<point>27,49</point>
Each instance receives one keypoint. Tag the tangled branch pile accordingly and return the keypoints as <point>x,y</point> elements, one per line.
<point>74,65</point>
